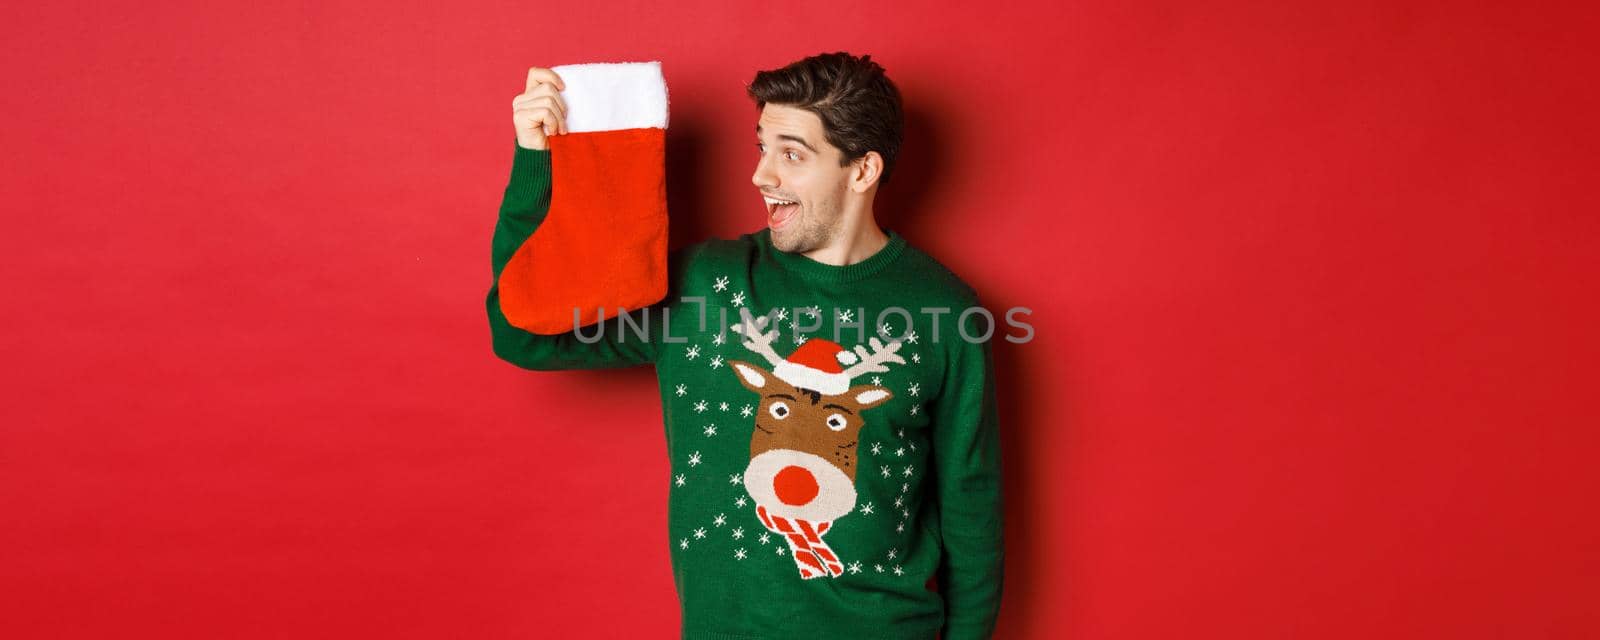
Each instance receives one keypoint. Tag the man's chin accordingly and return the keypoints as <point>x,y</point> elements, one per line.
<point>785,241</point>
<point>783,238</point>
<point>782,243</point>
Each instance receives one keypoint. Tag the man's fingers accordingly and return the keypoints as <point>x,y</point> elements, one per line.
<point>547,94</point>
<point>560,103</point>
<point>537,75</point>
<point>544,89</point>
<point>525,100</point>
<point>543,115</point>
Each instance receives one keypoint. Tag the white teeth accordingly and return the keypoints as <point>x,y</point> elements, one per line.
<point>771,201</point>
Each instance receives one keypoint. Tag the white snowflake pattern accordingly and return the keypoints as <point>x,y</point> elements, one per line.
<point>813,311</point>
<point>877,447</point>
<point>736,478</point>
<point>779,549</point>
<point>722,406</point>
<point>745,411</point>
<point>721,519</point>
<point>716,363</point>
<point>740,502</point>
<point>694,459</point>
<point>718,339</point>
<point>913,446</point>
<point>909,471</point>
<point>783,314</point>
<point>700,533</point>
<point>904,487</point>
<point>765,537</point>
<point>900,528</point>
<point>915,408</point>
<point>897,571</point>
<point>738,554</point>
<point>911,336</point>
<point>693,352</point>
<point>738,533</point>
<point>683,544</point>
<point>700,406</point>
<point>916,358</point>
<point>737,299</point>
<point>681,390</point>
<point>678,480</point>
<point>914,389</point>
<point>900,453</point>
<point>866,509</point>
<point>894,552</point>
<point>855,567</point>
<point>721,284</point>
<point>847,315</point>
<point>710,430</point>
<point>879,567</point>
<point>877,380</point>
<point>905,513</point>
<point>800,340</point>
<point>902,433</point>
<point>886,472</point>
<point>900,501</point>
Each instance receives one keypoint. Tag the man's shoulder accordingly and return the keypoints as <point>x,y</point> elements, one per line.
<point>938,284</point>
<point>711,252</point>
<point>714,248</point>
<point>708,260</point>
<point>936,278</point>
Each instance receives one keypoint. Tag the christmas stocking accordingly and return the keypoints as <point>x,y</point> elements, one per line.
<point>603,243</point>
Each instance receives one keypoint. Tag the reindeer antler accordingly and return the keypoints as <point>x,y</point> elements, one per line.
<point>754,338</point>
<point>873,361</point>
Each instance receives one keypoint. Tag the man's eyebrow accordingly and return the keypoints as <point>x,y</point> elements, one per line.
<point>785,136</point>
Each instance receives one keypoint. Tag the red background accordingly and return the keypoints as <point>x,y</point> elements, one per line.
<point>1313,286</point>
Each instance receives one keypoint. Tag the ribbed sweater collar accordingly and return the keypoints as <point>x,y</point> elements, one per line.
<point>825,273</point>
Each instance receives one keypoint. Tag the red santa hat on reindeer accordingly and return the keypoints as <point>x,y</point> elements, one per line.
<point>818,365</point>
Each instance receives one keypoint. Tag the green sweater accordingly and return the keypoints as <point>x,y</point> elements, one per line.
<point>805,502</point>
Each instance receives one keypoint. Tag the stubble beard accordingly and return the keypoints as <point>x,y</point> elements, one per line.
<point>806,234</point>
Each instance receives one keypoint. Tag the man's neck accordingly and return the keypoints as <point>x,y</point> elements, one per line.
<point>856,242</point>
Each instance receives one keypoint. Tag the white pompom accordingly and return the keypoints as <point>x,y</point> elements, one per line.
<point>846,358</point>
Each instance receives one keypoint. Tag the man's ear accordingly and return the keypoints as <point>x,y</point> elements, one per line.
<point>752,377</point>
<point>866,171</point>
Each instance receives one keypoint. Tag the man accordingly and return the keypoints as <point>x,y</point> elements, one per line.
<point>838,450</point>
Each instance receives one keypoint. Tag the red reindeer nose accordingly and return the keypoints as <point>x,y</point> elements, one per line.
<point>794,485</point>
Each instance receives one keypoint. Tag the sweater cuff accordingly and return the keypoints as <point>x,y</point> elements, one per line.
<point>530,171</point>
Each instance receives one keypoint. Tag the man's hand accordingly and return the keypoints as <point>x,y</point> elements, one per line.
<point>539,111</point>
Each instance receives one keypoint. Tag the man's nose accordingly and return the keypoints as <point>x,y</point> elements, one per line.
<point>764,177</point>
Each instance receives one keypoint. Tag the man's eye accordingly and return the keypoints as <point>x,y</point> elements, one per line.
<point>792,155</point>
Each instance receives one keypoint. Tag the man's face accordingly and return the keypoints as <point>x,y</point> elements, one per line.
<point>798,165</point>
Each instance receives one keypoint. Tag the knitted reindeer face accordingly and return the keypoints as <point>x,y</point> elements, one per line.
<point>802,469</point>
<point>793,417</point>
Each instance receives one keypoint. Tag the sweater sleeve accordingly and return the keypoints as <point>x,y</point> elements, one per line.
<point>966,459</point>
<point>523,208</point>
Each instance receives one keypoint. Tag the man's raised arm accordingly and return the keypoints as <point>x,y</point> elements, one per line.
<point>536,113</point>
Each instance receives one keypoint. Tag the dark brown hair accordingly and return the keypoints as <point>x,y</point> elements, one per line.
<point>858,104</point>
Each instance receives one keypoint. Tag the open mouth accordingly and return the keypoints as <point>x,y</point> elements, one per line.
<point>780,211</point>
